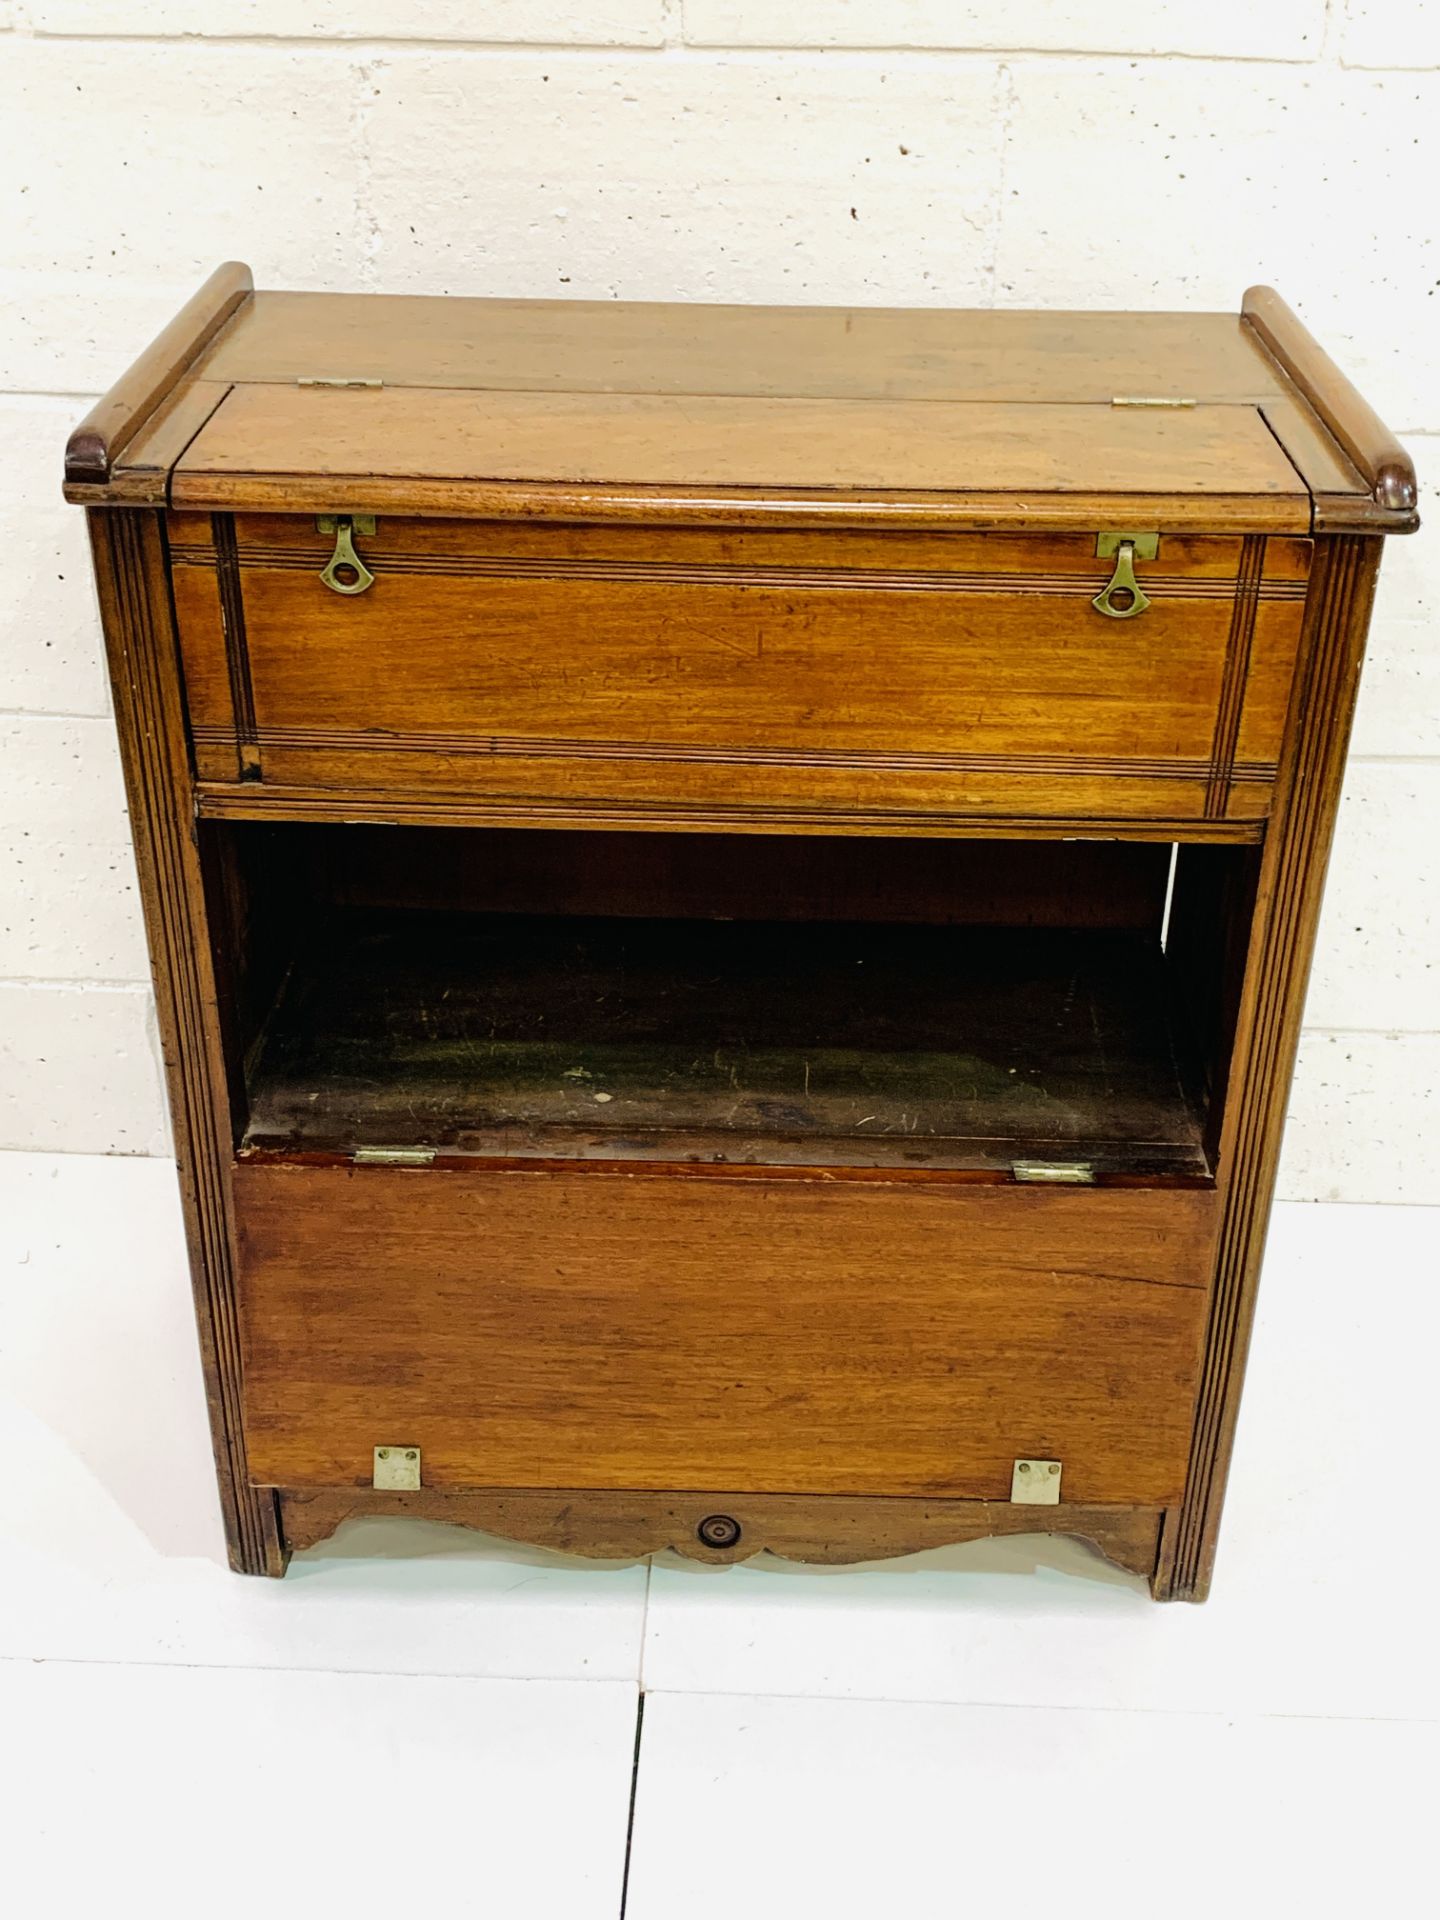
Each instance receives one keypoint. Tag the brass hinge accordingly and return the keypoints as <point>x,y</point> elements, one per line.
<point>335,380</point>
<point>1058,1173</point>
<point>393,1156</point>
<point>1035,1483</point>
<point>1152,400</point>
<point>397,1469</point>
<point>1146,545</point>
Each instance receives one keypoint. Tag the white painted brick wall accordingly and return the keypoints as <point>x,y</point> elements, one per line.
<point>742,177</point>
<point>1276,30</point>
<point>559,23</point>
<point>1156,154</point>
<point>50,659</point>
<point>1391,33</point>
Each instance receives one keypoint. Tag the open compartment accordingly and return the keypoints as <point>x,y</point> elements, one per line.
<point>954,1006</point>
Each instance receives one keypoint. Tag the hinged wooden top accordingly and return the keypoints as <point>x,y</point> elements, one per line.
<point>403,449</point>
<point>587,410</point>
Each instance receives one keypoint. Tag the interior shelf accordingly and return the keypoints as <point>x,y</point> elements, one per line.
<point>760,1042</point>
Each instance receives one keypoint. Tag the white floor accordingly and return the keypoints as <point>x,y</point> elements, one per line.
<point>419,1720</point>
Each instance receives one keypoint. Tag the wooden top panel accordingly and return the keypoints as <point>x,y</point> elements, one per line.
<point>366,438</point>
<point>857,353</point>
<point>730,385</point>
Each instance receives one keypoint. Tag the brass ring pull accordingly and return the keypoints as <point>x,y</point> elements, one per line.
<point>1122,597</point>
<point>345,571</point>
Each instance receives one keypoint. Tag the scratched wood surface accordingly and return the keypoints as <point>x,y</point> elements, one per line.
<point>760,1043</point>
<point>642,347</point>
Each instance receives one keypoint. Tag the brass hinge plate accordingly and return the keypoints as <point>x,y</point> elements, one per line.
<point>1146,545</point>
<point>336,380</point>
<point>1054,1173</point>
<point>361,523</point>
<point>1152,400</point>
<point>397,1469</point>
<point>393,1156</point>
<point>1035,1483</point>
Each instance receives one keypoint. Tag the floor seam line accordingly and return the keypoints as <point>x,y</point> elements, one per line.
<point>630,1814</point>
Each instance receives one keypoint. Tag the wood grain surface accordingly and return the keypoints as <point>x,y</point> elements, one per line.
<point>1350,472</point>
<point>833,1531</point>
<point>162,372</point>
<point>1334,401</point>
<point>880,674</point>
<point>707,440</point>
<point>605,346</point>
<point>552,1329</point>
<point>130,574</point>
<point>733,811</point>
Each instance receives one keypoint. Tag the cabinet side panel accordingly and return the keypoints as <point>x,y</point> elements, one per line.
<point>1282,941</point>
<point>140,638</point>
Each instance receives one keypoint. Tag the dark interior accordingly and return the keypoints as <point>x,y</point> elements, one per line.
<point>923,1004</point>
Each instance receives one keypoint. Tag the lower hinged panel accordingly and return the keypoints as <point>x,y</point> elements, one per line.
<point>601,1330</point>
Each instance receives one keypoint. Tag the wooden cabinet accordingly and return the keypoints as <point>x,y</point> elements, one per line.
<point>730,894</point>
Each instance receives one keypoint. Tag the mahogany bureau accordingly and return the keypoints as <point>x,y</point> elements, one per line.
<point>730,892</point>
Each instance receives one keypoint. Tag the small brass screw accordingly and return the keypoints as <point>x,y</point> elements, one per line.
<point>384,1453</point>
